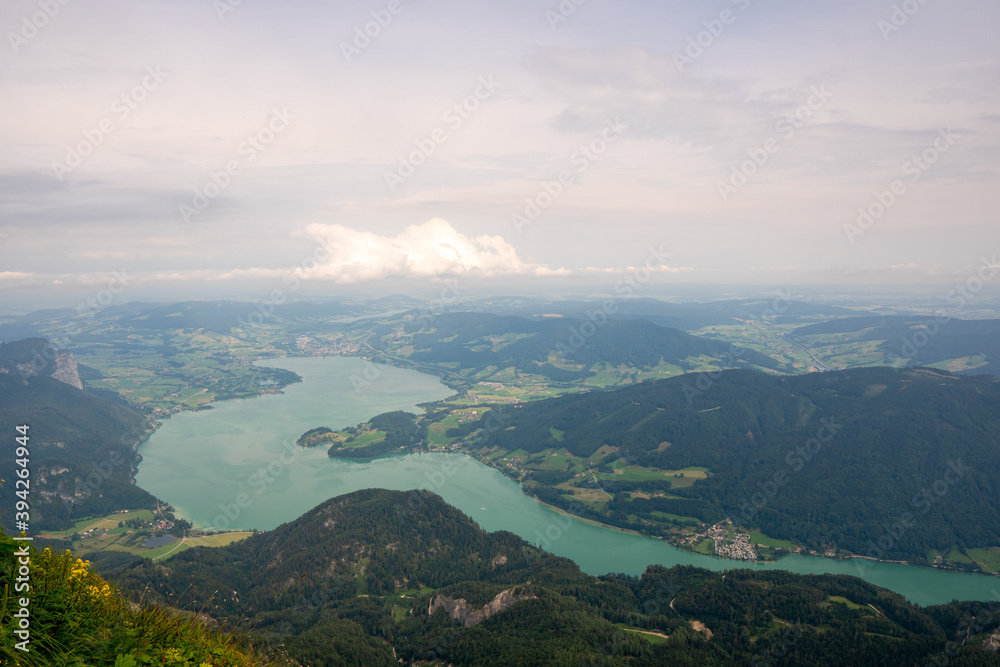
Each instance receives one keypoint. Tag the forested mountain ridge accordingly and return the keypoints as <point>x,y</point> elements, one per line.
<point>479,340</point>
<point>36,356</point>
<point>354,582</point>
<point>825,459</point>
<point>82,450</point>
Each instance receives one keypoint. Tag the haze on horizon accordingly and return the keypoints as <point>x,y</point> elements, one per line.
<point>219,147</point>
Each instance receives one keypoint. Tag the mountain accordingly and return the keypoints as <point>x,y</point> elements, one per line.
<point>82,447</point>
<point>381,577</point>
<point>475,341</point>
<point>967,346</point>
<point>873,461</point>
<point>36,356</point>
<point>687,316</point>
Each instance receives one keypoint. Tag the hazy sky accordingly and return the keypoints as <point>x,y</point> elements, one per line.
<point>740,138</point>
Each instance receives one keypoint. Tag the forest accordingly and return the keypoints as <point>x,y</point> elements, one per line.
<point>874,461</point>
<point>356,577</point>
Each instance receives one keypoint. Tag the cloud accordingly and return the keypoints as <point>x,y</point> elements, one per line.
<point>432,249</point>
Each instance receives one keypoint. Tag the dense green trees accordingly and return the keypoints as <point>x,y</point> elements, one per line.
<point>352,580</point>
<point>879,462</point>
<point>81,447</point>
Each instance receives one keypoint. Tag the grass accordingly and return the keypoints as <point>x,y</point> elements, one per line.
<point>106,630</point>
<point>988,559</point>
<point>706,547</point>
<point>589,495</point>
<point>220,540</point>
<point>645,634</point>
<point>676,478</point>
<point>675,517</point>
<point>110,522</point>
<point>844,601</point>
<point>171,550</point>
<point>957,556</point>
<point>603,452</point>
<point>757,537</point>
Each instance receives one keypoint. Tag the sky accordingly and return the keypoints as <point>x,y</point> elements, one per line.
<point>227,145</point>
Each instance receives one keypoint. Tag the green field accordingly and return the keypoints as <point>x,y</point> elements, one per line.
<point>844,601</point>
<point>648,635</point>
<point>172,550</point>
<point>957,556</point>
<point>757,537</point>
<point>988,559</point>
<point>675,517</point>
<point>676,478</point>
<point>706,547</point>
<point>109,522</point>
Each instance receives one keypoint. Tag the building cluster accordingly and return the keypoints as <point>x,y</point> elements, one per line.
<point>738,547</point>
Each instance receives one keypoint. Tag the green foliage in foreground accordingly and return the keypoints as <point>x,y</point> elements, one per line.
<point>77,618</point>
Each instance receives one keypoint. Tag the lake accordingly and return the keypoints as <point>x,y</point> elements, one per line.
<point>237,467</point>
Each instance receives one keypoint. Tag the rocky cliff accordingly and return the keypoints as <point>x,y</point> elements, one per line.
<point>460,610</point>
<point>37,356</point>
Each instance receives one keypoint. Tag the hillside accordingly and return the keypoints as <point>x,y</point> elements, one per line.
<point>688,316</point>
<point>74,617</point>
<point>375,577</point>
<point>963,346</point>
<point>82,450</point>
<point>826,459</point>
<point>562,349</point>
<point>35,356</point>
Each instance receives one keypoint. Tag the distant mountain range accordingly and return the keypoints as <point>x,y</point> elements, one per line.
<point>917,340</point>
<point>782,309</point>
<point>475,341</point>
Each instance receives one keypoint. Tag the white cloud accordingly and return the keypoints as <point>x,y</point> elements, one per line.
<point>432,249</point>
